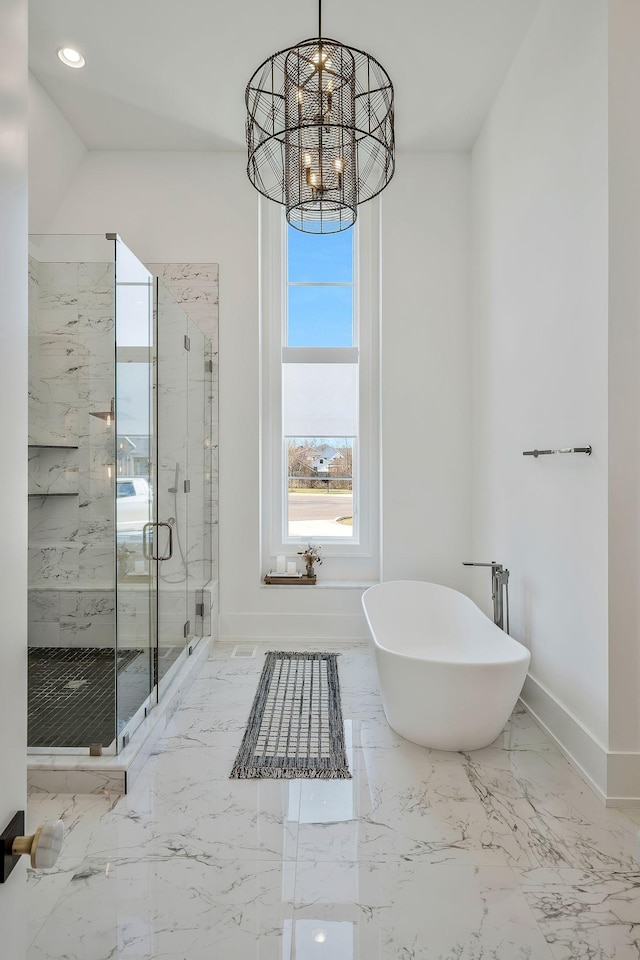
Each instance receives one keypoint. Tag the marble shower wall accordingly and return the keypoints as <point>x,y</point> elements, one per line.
<point>71,376</point>
<point>71,511</point>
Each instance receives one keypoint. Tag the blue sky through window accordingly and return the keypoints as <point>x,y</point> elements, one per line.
<point>320,316</point>
<point>320,258</point>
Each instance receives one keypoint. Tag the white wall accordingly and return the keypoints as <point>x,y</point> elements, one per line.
<point>13,404</point>
<point>200,207</point>
<point>426,368</point>
<point>55,153</point>
<point>624,379</point>
<point>540,314</point>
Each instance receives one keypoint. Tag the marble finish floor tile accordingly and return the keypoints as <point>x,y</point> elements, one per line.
<point>82,815</point>
<point>586,915</point>
<point>368,911</point>
<point>169,908</point>
<point>499,854</point>
<point>406,803</point>
<point>553,813</point>
<point>186,810</point>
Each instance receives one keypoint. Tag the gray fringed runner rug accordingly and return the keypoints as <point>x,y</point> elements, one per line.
<point>295,727</point>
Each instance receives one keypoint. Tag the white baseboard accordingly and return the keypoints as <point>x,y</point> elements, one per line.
<point>293,626</point>
<point>614,777</point>
<point>623,779</point>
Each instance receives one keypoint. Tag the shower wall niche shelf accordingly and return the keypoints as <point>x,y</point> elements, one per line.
<point>53,469</point>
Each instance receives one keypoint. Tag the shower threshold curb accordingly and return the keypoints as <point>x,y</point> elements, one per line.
<point>63,773</point>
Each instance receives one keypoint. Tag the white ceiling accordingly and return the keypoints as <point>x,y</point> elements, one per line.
<point>171,74</point>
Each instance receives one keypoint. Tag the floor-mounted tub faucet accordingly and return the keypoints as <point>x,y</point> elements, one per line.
<point>499,591</point>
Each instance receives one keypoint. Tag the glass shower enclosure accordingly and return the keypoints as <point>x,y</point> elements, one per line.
<point>184,480</point>
<point>120,550</point>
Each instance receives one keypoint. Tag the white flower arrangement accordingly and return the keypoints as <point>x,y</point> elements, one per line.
<point>311,555</point>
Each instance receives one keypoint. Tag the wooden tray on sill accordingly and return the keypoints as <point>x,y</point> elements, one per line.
<point>305,581</point>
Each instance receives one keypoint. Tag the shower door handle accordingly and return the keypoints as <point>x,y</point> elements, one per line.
<point>163,523</point>
<point>146,551</point>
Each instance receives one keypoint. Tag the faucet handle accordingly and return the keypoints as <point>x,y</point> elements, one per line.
<point>469,563</point>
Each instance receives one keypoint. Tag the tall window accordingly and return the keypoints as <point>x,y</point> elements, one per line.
<point>320,388</point>
<point>320,347</point>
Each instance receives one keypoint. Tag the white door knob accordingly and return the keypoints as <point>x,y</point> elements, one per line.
<point>43,847</point>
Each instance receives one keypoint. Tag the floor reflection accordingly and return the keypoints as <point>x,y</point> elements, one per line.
<point>323,940</point>
<point>330,801</point>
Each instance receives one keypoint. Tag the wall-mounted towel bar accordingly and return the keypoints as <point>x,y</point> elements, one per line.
<point>544,453</point>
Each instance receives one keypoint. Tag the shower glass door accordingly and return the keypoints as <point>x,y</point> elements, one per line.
<point>199,537</point>
<point>173,486</point>
<point>184,499</point>
<point>139,539</point>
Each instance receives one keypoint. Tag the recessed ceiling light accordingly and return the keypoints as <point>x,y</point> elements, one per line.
<point>71,57</point>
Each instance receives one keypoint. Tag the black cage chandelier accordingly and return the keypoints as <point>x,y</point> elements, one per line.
<point>320,132</point>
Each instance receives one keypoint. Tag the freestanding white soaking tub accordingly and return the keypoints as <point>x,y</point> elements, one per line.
<point>449,677</point>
